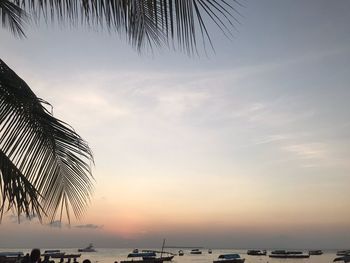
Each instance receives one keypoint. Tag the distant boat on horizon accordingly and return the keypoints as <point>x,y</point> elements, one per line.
<point>11,254</point>
<point>53,253</point>
<point>345,259</point>
<point>279,252</point>
<point>288,254</point>
<point>89,248</point>
<point>148,256</point>
<point>11,257</point>
<point>315,252</point>
<point>256,252</point>
<point>196,251</point>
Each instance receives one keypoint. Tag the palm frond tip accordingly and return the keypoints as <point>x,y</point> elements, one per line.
<point>144,22</point>
<point>49,153</point>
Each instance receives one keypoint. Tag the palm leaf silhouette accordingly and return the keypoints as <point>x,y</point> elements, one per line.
<point>44,163</point>
<point>47,152</point>
<point>146,23</point>
<point>12,17</point>
<point>16,191</point>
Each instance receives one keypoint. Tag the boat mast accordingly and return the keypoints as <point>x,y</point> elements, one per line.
<point>161,253</point>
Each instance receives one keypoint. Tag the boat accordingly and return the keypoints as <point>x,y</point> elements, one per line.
<point>11,254</point>
<point>315,252</point>
<point>210,251</point>
<point>181,253</point>
<point>346,259</point>
<point>89,248</point>
<point>69,257</point>
<point>282,252</point>
<point>256,252</point>
<point>196,251</point>
<point>148,257</point>
<point>229,258</point>
<point>52,253</point>
<point>343,252</point>
<point>278,252</point>
<point>11,257</point>
<point>288,254</point>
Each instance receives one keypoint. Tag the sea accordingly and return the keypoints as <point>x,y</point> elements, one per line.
<point>112,255</point>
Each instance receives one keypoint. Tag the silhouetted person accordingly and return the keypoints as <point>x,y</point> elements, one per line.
<point>35,256</point>
<point>46,259</point>
<point>26,258</point>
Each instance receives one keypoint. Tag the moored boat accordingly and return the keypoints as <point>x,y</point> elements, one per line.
<point>229,258</point>
<point>288,254</point>
<point>181,253</point>
<point>315,252</point>
<point>210,251</point>
<point>283,252</point>
<point>148,257</point>
<point>11,254</point>
<point>11,257</point>
<point>196,251</point>
<point>345,259</point>
<point>278,252</point>
<point>89,248</point>
<point>143,254</point>
<point>256,252</point>
<point>148,260</point>
<point>343,252</point>
<point>68,257</point>
<point>52,253</point>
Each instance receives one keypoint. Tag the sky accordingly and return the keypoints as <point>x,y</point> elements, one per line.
<point>244,147</point>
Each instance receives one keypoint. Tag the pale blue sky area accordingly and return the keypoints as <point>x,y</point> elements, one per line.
<point>258,130</point>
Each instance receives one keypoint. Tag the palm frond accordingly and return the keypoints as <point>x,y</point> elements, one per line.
<point>13,17</point>
<point>145,22</point>
<point>52,156</point>
<point>16,192</point>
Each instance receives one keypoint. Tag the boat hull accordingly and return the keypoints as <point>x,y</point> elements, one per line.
<point>256,252</point>
<point>315,253</point>
<point>289,256</point>
<point>86,250</point>
<point>149,260</point>
<point>10,257</point>
<point>67,256</point>
<point>233,260</point>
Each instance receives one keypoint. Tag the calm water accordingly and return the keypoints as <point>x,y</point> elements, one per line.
<point>110,255</point>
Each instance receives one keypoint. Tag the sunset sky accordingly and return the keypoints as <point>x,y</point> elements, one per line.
<point>245,147</point>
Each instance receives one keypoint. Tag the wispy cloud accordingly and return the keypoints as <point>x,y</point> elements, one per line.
<point>316,151</point>
<point>273,138</point>
<point>59,224</point>
<point>22,219</point>
<point>89,226</point>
